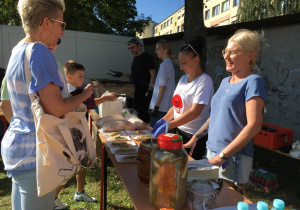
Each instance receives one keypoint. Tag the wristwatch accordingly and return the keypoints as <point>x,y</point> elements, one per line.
<point>223,156</point>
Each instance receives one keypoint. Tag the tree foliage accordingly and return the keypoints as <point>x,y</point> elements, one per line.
<point>250,10</point>
<point>117,17</point>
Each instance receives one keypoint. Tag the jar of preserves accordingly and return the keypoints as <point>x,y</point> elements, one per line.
<point>168,172</point>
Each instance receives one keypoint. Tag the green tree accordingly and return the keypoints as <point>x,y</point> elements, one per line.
<point>117,17</point>
<point>250,10</point>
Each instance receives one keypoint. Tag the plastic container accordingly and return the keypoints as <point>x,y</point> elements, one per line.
<point>262,205</point>
<point>168,173</point>
<point>278,204</point>
<point>274,138</point>
<point>200,192</point>
<point>242,206</point>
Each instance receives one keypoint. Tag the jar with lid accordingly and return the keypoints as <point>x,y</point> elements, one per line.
<point>168,172</point>
<point>201,195</point>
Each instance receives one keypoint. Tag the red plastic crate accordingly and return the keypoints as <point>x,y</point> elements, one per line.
<point>274,140</point>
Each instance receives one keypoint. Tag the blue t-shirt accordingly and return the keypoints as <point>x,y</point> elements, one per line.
<point>228,112</point>
<point>18,144</point>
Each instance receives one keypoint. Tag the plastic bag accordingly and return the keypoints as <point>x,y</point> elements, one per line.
<point>111,107</point>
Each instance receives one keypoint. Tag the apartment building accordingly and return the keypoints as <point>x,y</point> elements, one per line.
<point>220,12</point>
<point>148,31</point>
<point>172,24</point>
<point>215,13</point>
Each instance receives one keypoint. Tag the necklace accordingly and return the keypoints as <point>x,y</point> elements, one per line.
<point>231,84</point>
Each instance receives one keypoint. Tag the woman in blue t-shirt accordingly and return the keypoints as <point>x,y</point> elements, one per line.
<point>236,110</point>
<point>43,24</point>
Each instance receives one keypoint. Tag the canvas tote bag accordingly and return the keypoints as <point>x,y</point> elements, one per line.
<point>63,145</point>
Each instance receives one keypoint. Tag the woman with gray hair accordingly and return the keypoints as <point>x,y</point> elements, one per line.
<point>236,111</point>
<point>43,24</point>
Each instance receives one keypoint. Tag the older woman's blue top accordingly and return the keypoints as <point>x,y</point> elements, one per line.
<point>228,112</point>
<point>19,142</point>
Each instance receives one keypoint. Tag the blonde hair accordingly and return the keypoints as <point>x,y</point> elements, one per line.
<point>164,44</point>
<point>32,12</point>
<point>250,41</point>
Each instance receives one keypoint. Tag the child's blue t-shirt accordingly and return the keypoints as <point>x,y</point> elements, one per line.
<point>228,112</point>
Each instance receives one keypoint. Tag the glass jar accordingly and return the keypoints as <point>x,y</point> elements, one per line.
<point>201,195</point>
<point>168,172</point>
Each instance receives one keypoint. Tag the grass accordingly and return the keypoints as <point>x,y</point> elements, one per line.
<point>287,170</point>
<point>117,197</point>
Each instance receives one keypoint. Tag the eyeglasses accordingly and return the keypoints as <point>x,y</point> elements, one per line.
<point>186,46</point>
<point>58,41</point>
<point>63,24</point>
<point>132,47</point>
<point>231,53</point>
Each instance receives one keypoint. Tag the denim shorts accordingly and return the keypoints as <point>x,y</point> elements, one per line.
<point>238,167</point>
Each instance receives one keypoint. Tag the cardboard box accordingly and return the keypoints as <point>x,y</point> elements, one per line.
<point>274,137</point>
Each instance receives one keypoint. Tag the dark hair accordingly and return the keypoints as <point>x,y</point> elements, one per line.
<point>71,67</point>
<point>195,46</point>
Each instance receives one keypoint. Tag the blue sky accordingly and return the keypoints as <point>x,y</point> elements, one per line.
<point>158,9</point>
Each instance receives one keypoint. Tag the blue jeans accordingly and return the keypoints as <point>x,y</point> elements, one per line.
<point>238,167</point>
<point>24,194</point>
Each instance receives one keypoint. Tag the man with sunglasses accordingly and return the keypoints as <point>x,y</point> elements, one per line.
<point>143,75</point>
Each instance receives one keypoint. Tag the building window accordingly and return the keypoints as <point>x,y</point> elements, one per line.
<point>171,32</point>
<point>207,14</point>
<point>168,22</point>
<point>178,28</point>
<point>179,17</point>
<point>164,24</point>
<point>182,15</point>
<point>161,27</point>
<point>236,2</point>
<point>225,5</point>
<point>175,23</point>
<point>207,0</point>
<point>171,20</point>
<point>216,10</point>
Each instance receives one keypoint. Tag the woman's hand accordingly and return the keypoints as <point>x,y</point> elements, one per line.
<point>191,144</point>
<point>217,161</point>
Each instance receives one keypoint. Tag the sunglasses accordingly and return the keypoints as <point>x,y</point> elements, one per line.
<point>62,24</point>
<point>186,46</point>
<point>58,41</point>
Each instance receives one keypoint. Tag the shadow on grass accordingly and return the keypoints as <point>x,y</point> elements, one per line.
<point>5,182</point>
<point>114,207</point>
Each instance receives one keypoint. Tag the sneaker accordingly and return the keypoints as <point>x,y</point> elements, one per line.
<point>59,205</point>
<point>84,197</point>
